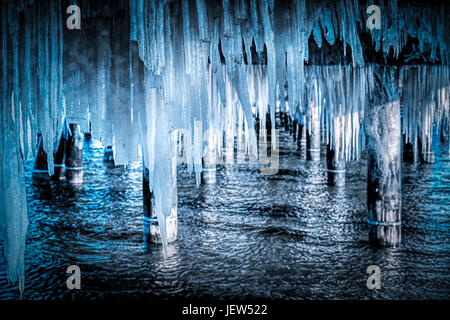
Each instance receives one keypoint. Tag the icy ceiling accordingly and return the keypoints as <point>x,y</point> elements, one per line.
<point>139,70</point>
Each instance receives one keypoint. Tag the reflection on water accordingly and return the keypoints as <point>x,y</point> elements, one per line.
<point>286,236</point>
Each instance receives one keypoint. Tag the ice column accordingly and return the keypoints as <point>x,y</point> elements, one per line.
<point>209,168</point>
<point>74,155</point>
<point>313,134</point>
<point>445,129</point>
<point>302,138</point>
<point>210,136</point>
<point>152,234</point>
<point>313,141</point>
<point>60,156</point>
<point>13,215</point>
<point>40,168</point>
<point>426,136</point>
<point>384,167</point>
<point>108,157</point>
<point>335,167</point>
<point>335,153</point>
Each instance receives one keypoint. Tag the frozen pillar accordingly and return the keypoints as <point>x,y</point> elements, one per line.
<point>291,127</point>
<point>283,118</point>
<point>208,172</point>
<point>74,155</point>
<point>60,158</point>
<point>302,139</point>
<point>384,200</point>
<point>323,134</point>
<point>257,126</point>
<point>152,233</point>
<point>295,129</point>
<point>150,221</point>
<point>229,147</point>
<point>268,126</point>
<point>286,121</point>
<point>445,130</point>
<point>109,155</point>
<point>313,140</point>
<point>408,151</point>
<point>426,149</point>
<point>40,168</point>
<point>88,135</point>
<point>335,167</point>
<point>209,168</point>
<point>426,136</point>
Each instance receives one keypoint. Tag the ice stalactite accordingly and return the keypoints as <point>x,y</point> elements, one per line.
<point>76,72</point>
<point>337,95</point>
<point>31,103</point>
<point>99,114</point>
<point>13,213</point>
<point>216,65</point>
<point>348,17</point>
<point>49,109</point>
<point>425,103</point>
<point>123,113</point>
<point>181,58</point>
<point>399,21</point>
<point>235,37</point>
<point>13,203</point>
<point>267,9</point>
<point>208,68</point>
<point>258,85</point>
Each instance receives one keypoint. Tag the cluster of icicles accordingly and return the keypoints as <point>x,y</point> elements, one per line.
<point>200,83</point>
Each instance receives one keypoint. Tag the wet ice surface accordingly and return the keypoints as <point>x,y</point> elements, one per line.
<point>287,236</point>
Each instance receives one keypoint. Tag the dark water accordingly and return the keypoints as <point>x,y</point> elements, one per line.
<point>287,236</point>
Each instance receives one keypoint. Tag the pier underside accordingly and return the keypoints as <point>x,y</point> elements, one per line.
<point>239,96</point>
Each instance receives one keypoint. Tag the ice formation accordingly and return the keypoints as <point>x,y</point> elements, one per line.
<point>177,78</point>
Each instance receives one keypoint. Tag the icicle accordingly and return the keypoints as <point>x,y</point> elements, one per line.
<point>197,93</point>
<point>13,217</point>
<point>163,187</point>
<point>267,19</point>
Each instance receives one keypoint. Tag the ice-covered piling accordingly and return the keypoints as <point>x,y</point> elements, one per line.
<point>384,200</point>
<point>74,155</point>
<point>313,140</point>
<point>335,167</point>
<point>445,130</point>
<point>40,168</point>
<point>291,124</point>
<point>209,168</point>
<point>87,137</point>
<point>109,155</point>
<point>269,126</point>
<point>152,234</point>
<point>408,151</point>
<point>295,129</point>
<point>286,121</point>
<point>60,157</point>
<point>426,149</point>
<point>229,147</point>
<point>425,100</point>
<point>302,139</point>
<point>150,220</point>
